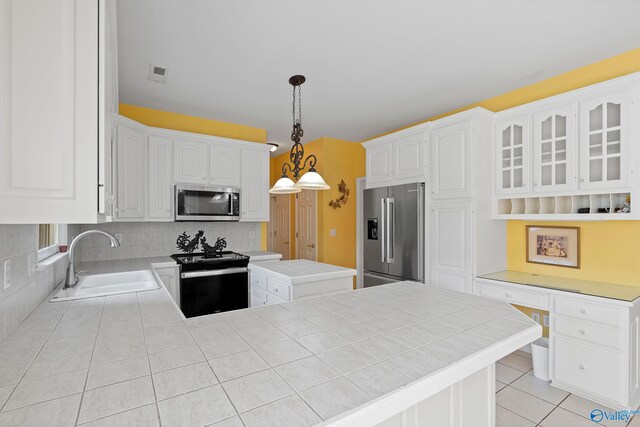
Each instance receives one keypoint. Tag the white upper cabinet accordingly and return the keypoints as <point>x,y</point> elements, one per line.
<point>190,162</point>
<point>254,192</point>
<point>604,141</point>
<point>50,104</point>
<point>379,163</point>
<point>224,165</point>
<point>451,152</point>
<point>554,155</point>
<point>130,173</point>
<point>408,155</point>
<point>160,193</point>
<point>513,159</point>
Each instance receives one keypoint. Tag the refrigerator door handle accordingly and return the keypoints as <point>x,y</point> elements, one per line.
<point>382,230</point>
<point>391,220</point>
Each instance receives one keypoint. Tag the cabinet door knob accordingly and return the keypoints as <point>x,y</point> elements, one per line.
<point>581,366</point>
<point>582,332</point>
<point>583,311</point>
<point>507,294</point>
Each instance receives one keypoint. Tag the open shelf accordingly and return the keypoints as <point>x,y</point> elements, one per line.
<point>575,207</point>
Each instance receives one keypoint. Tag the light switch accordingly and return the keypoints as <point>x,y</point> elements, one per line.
<point>332,232</point>
<point>252,235</point>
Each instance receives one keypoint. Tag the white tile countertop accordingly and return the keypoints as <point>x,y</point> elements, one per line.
<point>132,360</point>
<point>302,271</point>
<point>262,256</point>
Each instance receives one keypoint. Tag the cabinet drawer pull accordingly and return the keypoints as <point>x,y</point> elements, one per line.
<point>582,332</point>
<point>583,311</point>
<point>581,366</point>
<point>507,294</point>
<point>275,289</point>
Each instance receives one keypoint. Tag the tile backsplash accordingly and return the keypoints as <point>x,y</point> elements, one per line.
<point>25,293</point>
<point>151,239</point>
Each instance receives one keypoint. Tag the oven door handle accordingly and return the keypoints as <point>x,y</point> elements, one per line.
<point>207,273</point>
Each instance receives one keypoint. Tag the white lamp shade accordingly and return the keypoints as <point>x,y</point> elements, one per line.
<point>284,186</point>
<point>312,181</point>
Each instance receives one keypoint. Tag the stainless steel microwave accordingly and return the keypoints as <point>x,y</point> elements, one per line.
<point>200,203</point>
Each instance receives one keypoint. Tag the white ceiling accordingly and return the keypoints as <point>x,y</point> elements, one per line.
<point>371,65</point>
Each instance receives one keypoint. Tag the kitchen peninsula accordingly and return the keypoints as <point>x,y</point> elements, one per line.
<point>368,357</point>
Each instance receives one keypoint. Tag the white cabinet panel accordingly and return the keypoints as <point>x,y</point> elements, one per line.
<point>130,173</point>
<point>49,63</point>
<point>408,156</point>
<point>513,158</point>
<point>159,178</point>
<point>451,243</point>
<point>190,161</point>
<point>379,163</point>
<point>254,193</point>
<point>604,141</point>
<point>451,173</point>
<point>554,156</point>
<point>224,165</point>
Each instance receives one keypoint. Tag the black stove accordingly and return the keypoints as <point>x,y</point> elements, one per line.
<point>211,260</point>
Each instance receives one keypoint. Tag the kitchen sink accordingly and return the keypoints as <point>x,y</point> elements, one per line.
<point>100,285</point>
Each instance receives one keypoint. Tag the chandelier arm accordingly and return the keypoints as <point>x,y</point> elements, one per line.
<point>284,169</point>
<point>312,159</point>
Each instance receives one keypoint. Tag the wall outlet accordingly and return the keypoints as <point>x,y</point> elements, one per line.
<point>252,234</point>
<point>536,317</point>
<point>31,262</point>
<point>6,267</point>
<point>332,232</point>
<point>545,319</point>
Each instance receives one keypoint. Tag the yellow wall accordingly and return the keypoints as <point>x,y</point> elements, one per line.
<point>337,160</point>
<point>181,122</point>
<point>608,248</point>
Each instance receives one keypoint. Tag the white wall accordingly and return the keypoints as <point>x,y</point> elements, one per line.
<point>25,293</point>
<point>152,239</point>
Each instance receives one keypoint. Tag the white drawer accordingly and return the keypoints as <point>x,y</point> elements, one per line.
<point>526,297</point>
<point>258,297</point>
<point>588,332</point>
<point>599,313</point>
<point>279,289</point>
<point>258,281</point>
<point>274,300</point>
<point>588,368</point>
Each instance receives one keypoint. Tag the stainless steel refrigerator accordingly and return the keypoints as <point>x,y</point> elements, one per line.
<point>393,234</point>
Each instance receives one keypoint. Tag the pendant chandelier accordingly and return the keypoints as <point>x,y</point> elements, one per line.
<point>311,180</point>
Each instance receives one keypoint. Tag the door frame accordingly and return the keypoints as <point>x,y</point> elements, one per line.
<point>360,186</point>
<point>273,210</point>
<point>315,194</point>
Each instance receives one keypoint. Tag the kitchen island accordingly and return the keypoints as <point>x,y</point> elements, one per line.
<point>365,357</point>
<point>275,283</point>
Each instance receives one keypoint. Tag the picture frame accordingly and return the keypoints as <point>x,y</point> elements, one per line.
<point>553,245</point>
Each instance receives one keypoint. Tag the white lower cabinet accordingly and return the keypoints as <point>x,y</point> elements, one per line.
<point>593,345</point>
<point>266,291</point>
<point>170,277</point>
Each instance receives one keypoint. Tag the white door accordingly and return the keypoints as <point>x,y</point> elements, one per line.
<point>604,141</point>
<point>451,151</point>
<point>379,163</point>
<point>159,178</point>
<point>451,245</point>
<point>279,225</point>
<point>306,226</point>
<point>254,193</point>
<point>554,156</point>
<point>224,165</point>
<point>408,155</point>
<point>130,173</point>
<point>49,64</point>
<point>512,161</point>
<point>190,162</point>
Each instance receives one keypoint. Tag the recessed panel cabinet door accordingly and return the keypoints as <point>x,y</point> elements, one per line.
<point>604,141</point>
<point>379,163</point>
<point>451,148</point>
<point>254,193</point>
<point>159,178</point>
<point>130,173</point>
<point>224,165</point>
<point>451,245</point>
<point>190,162</point>
<point>408,156</point>
<point>49,111</point>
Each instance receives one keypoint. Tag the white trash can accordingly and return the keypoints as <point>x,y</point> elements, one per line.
<point>540,355</point>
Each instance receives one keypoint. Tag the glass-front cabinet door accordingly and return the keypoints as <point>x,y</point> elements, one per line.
<point>513,160</point>
<point>604,141</point>
<point>553,150</point>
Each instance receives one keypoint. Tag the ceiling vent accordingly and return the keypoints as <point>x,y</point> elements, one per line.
<point>158,74</point>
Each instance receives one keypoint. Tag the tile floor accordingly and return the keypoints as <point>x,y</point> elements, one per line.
<point>523,400</point>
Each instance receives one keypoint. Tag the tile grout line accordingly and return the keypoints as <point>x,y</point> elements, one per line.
<point>553,410</point>
<point>86,379</point>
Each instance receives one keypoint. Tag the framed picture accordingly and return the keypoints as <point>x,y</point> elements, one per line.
<point>553,245</point>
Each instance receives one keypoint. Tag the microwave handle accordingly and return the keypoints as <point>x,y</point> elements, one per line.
<point>230,203</point>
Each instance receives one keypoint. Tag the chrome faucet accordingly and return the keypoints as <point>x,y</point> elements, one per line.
<point>72,278</point>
